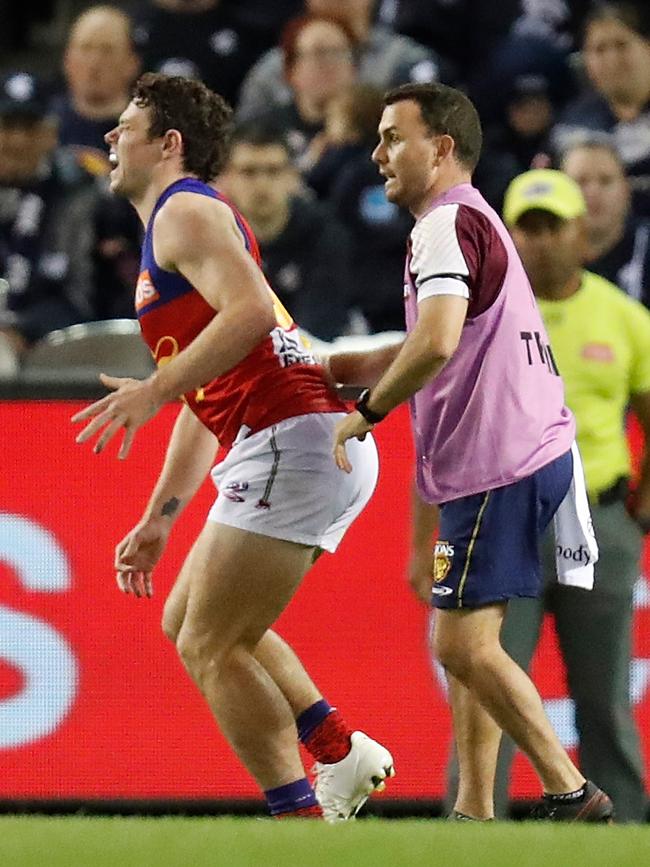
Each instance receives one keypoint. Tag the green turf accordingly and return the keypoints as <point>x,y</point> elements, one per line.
<point>229,842</point>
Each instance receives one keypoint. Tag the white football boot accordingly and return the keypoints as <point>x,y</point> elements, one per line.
<point>342,788</point>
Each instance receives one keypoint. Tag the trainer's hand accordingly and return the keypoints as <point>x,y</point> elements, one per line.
<point>353,425</point>
<point>132,403</point>
<point>137,554</point>
<point>420,573</point>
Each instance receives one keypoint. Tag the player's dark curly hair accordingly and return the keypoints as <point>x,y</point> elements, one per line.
<point>202,117</point>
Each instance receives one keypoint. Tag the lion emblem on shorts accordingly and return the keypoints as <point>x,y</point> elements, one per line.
<point>442,556</point>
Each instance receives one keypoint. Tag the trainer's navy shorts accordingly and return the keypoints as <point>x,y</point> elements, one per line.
<point>488,543</point>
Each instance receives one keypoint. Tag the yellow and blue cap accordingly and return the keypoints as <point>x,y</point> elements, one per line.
<point>544,190</point>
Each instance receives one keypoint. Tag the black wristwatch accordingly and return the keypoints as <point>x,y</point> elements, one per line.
<point>361,405</point>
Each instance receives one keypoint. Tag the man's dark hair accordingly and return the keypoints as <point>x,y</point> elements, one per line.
<point>202,117</point>
<point>445,111</point>
<point>260,134</point>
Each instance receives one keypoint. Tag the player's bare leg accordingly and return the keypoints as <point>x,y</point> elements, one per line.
<point>349,765</point>
<point>477,738</point>
<point>288,672</point>
<point>467,644</point>
<point>238,583</point>
<point>272,652</point>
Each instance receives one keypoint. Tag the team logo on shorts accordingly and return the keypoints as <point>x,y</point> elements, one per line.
<point>234,491</point>
<point>442,556</point>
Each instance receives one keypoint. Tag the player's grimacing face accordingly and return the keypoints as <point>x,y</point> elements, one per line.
<point>133,154</point>
<point>405,154</point>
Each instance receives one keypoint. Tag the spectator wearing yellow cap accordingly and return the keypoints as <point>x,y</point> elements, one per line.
<point>600,339</point>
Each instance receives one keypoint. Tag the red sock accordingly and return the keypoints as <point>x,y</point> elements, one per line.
<point>313,812</point>
<point>330,740</point>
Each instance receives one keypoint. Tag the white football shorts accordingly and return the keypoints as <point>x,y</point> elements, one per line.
<point>282,482</point>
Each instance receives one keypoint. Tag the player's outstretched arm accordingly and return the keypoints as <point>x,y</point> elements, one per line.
<point>190,455</point>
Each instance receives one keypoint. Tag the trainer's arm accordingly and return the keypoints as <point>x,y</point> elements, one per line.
<point>420,358</point>
<point>423,354</point>
<point>190,456</point>
<point>361,368</point>
<point>424,522</point>
<point>198,237</point>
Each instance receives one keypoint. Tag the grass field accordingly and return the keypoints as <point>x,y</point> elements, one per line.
<point>229,842</point>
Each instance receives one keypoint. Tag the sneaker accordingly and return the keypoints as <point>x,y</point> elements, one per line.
<point>593,806</point>
<point>342,788</point>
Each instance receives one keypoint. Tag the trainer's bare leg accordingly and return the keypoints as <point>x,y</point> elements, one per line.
<point>238,583</point>
<point>477,738</point>
<point>466,642</point>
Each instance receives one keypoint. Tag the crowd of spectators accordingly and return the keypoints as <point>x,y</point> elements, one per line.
<point>556,83</point>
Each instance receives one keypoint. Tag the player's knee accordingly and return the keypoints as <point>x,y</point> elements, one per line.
<point>198,652</point>
<point>204,654</point>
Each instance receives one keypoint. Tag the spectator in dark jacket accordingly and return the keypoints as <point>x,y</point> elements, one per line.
<point>349,179</point>
<point>519,139</point>
<point>469,32</point>
<point>47,204</point>
<point>305,250</point>
<point>100,65</point>
<point>212,40</point>
<point>616,53</point>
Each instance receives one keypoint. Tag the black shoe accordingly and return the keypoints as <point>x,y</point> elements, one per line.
<point>593,805</point>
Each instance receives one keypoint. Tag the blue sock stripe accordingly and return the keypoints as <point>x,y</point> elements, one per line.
<point>291,797</point>
<point>312,717</point>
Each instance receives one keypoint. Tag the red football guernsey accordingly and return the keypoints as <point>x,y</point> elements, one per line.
<point>278,379</point>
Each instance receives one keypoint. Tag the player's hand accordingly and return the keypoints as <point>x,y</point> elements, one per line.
<point>420,574</point>
<point>131,403</point>
<point>353,425</point>
<point>137,554</point>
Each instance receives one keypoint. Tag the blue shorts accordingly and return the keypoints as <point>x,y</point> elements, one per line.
<point>488,543</point>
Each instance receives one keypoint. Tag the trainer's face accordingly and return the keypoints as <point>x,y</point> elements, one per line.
<point>133,154</point>
<point>407,155</point>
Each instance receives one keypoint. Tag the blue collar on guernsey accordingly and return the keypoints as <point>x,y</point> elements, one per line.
<point>194,185</point>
